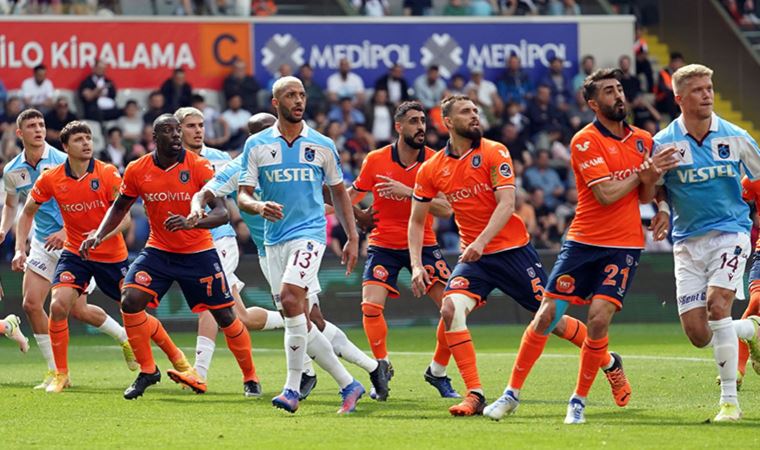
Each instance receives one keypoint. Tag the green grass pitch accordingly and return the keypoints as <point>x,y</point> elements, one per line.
<point>674,393</point>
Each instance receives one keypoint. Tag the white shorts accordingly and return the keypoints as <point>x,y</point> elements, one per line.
<point>294,262</point>
<point>313,298</point>
<point>43,263</point>
<point>714,259</point>
<point>229,255</point>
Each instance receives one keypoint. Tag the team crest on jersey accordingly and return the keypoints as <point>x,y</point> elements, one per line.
<point>308,154</point>
<point>629,260</point>
<point>309,246</point>
<point>724,151</point>
<point>94,184</point>
<point>184,176</point>
<point>566,284</point>
<point>67,277</point>
<point>217,268</point>
<point>531,272</point>
<point>124,272</point>
<point>380,272</point>
<point>143,278</point>
<point>476,161</point>
<point>23,175</point>
<point>640,145</point>
<point>437,254</point>
<point>505,170</point>
<point>459,283</point>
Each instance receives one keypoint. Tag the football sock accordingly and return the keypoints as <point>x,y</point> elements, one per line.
<point>322,353</point>
<point>576,332</point>
<point>744,328</point>
<point>753,309</point>
<point>162,339</point>
<point>295,349</point>
<point>725,351</point>
<point>139,326</point>
<point>113,329</point>
<point>239,343</point>
<point>375,328</point>
<point>346,349</point>
<point>274,321</point>
<point>531,347</point>
<point>463,351</point>
<point>43,342</point>
<point>59,338</point>
<point>204,351</point>
<point>3,327</point>
<point>442,354</point>
<point>308,366</point>
<point>592,354</point>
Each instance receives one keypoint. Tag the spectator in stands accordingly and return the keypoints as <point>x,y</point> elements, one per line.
<point>418,7</point>
<point>549,235</point>
<point>519,148</point>
<point>317,99</point>
<point>98,95</point>
<point>579,114</point>
<point>665,100</point>
<point>379,115</point>
<point>485,113</point>
<point>488,95</point>
<point>237,119</point>
<point>346,115</point>
<point>359,144</point>
<point>146,142</point>
<point>563,8</point>
<point>456,85</point>
<point>513,114</point>
<point>526,212</point>
<point>131,123</point>
<point>456,8</point>
<point>429,88</point>
<point>561,90</point>
<point>176,90</point>
<point>394,84</point>
<point>3,96</point>
<point>240,82</point>
<point>515,84</point>
<point>115,151</point>
<point>13,107</point>
<point>588,64</point>
<point>541,112</point>
<point>518,7</point>
<point>263,8</point>
<point>334,131</point>
<point>345,83</point>
<point>566,210</point>
<point>156,107</point>
<point>630,82</point>
<point>542,176</point>
<point>372,8</point>
<point>38,90</point>
<point>483,7</point>
<point>56,119</point>
<point>283,71</point>
<point>216,130</point>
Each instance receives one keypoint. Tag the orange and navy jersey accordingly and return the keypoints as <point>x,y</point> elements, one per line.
<point>168,191</point>
<point>84,202</point>
<point>596,156</point>
<point>751,193</point>
<point>392,218</point>
<point>469,183</point>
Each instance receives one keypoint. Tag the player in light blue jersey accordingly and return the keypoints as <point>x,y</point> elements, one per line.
<point>711,224</point>
<point>46,242</point>
<point>290,162</point>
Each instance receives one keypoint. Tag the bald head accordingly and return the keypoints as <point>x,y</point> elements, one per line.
<point>260,121</point>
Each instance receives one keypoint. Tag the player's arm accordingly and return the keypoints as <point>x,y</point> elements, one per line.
<point>416,236</point>
<point>658,164</point>
<point>219,215</point>
<point>505,207</point>
<point>440,207</point>
<point>345,213</point>
<point>112,221</point>
<point>8,215</point>
<point>23,227</point>
<point>660,224</point>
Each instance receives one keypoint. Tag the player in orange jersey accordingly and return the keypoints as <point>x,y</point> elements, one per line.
<point>10,327</point>
<point>176,251</point>
<point>750,193</point>
<point>477,178</point>
<point>389,173</point>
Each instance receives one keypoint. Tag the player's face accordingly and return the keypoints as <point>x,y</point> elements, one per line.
<point>610,100</point>
<point>192,132</point>
<point>168,138</point>
<point>32,132</point>
<point>80,146</point>
<point>411,128</point>
<point>464,120</point>
<point>697,98</point>
<point>291,103</point>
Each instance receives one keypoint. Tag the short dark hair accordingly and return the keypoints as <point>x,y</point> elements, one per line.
<point>448,103</point>
<point>72,128</point>
<point>114,130</point>
<point>405,107</point>
<point>28,114</point>
<point>131,101</point>
<point>39,67</point>
<point>590,87</point>
<point>676,55</point>
<point>197,98</point>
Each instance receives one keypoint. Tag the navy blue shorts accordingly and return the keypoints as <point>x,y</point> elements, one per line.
<point>584,272</point>
<point>517,273</point>
<point>199,275</point>
<point>75,272</point>
<point>384,264</point>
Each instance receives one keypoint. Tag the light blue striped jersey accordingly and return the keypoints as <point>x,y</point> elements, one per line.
<point>705,191</point>
<point>19,177</point>
<point>292,174</point>
<point>219,160</point>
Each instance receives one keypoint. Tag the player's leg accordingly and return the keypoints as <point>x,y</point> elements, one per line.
<point>11,328</point>
<point>753,309</point>
<point>205,344</point>
<point>35,290</point>
<point>63,299</point>
<point>95,315</point>
<point>373,319</point>
<point>435,374</point>
<point>239,342</point>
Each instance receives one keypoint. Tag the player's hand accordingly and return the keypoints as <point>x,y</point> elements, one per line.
<point>420,281</point>
<point>55,241</point>
<point>660,225</point>
<point>272,211</point>
<point>194,217</point>
<point>391,187</point>
<point>91,242</point>
<point>365,219</point>
<point>472,253</point>
<point>175,222</point>
<point>653,168</point>
<point>350,254</point>
<point>19,261</point>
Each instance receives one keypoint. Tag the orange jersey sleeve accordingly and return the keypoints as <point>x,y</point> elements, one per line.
<point>500,166</point>
<point>750,190</point>
<point>588,156</point>
<point>365,181</point>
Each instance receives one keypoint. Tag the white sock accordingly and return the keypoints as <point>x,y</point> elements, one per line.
<point>274,321</point>
<point>204,351</point>
<point>437,370</point>
<point>515,392</point>
<point>744,328</point>
<point>113,329</point>
<point>346,349</point>
<point>726,353</point>
<point>295,349</point>
<point>578,397</point>
<point>308,366</point>
<point>322,353</point>
<point>611,363</point>
<point>43,342</point>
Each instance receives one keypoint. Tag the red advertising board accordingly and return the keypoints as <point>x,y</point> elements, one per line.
<point>139,54</point>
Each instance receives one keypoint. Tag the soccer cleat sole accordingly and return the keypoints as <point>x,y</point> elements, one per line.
<point>177,378</point>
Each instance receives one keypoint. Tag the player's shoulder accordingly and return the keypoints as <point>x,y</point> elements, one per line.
<point>668,134</point>
<point>491,146</point>
<point>314,136</point>
<point>429,152</point>
<point>726,128</point>
<point>379,154</point>
<point>15,162</point>
<point>54,173</point>
<point>140,164</point>
<point>104,167</point>
<point>56,155</point>
<point>213,154</point>
<point>640,133</point>
<point>589,133</point>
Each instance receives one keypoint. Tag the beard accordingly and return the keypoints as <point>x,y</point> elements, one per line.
<point>287,115</point>
<point>412,142</point>
<point>613,113</point>
<point>472,134</point>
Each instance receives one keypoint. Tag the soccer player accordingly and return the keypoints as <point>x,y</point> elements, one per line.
<point>176,251</point>
<point>46,243</point>
<point>711,225</point>
<point>84,188</point>
<point>751,193</point>
<point>389,174</point>
<point>10,327</point>
<point>598,260</point>
<point>477,178</point>
<point>289,162</point>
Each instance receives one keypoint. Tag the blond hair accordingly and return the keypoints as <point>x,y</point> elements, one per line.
<point>185,112</point>
<point>280,84</point>
<point>686,73</point>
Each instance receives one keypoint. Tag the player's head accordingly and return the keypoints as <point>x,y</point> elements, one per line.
<point>460,115</point>
<point>409,122</point>
<point>166,135</point>
<point>31,128</point>
<point>289,99</point>
<point>604,94</point>
<point>76,138</point>
<point>191,127</point>
<point>260,121</point>
<point>693,88</point>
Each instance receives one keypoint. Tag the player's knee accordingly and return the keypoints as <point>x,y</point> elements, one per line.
<point>598,324</point>
<point>224,317</point>
<point>454,311</point>
<point>719,308</point>
<point>58,309</point>
<point>699,335</point>
<point>290,302</point>
<point>543,319</point>
<point>32,304</point>
<point>132,303</point>
<point>315,315</point>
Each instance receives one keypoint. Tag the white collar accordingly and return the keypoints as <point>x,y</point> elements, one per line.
<point>713,124</point>
<point>276,129</point>
<point>45,153</point>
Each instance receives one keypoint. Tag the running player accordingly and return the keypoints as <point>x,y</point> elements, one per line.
<point>176,251</point>
<point>711,225</point>
<point>289,162</point>
<point>389,174</point>
<point>46,243</point>
<point>477,178</point>
<point>598,260</point>
<point>10,327</point>
<point>750,193</point>
<point>84,188</point>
